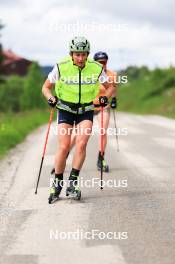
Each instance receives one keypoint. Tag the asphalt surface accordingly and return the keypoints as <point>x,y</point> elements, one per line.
<point>133,221</point>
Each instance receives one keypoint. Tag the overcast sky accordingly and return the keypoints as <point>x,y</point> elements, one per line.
<point>137,32</point>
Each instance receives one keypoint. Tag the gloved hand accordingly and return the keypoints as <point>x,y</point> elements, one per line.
<point>52,101</point>
<point>114,102</point>
<point>103,100</point>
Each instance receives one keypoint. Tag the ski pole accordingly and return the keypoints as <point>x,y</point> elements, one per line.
<point>101,147</point>
<point>44,150</point>
<point>115,124</point>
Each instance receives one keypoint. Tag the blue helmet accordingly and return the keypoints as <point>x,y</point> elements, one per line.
<point>100,56</point>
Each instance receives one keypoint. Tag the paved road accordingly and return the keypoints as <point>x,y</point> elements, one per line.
<point>141,215</point>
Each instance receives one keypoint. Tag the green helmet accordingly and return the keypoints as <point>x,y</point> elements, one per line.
<point>79,44</point>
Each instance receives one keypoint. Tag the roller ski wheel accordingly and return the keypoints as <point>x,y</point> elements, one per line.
<point>104,165</point>
<point>54,194</point>
<point>52,198</point>
<point>74,192</point>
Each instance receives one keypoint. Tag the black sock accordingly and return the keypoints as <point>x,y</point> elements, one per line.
<point>59,179</point>
<point>74,174</point>
<point>59,176</point>
<point>100,156</point>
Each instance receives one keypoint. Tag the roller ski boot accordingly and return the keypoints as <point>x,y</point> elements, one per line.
<point>55,191</point>
<point>73,189</point>
<point>101,162</point>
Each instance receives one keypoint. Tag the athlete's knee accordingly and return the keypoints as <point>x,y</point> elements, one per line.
<point>64,148</point>
<point>81,146</point>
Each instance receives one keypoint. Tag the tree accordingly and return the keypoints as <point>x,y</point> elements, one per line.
<point>32,96</point>
<point>132,72</point>
<point>10,94</point>
<point>1,57</point>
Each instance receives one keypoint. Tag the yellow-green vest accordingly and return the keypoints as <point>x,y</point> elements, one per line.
<point>77,85</point>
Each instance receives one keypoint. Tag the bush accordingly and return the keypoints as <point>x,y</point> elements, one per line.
<point>10,94</point>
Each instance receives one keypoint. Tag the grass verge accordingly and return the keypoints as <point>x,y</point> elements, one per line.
<point>142,97</point>
<point>15,127</point>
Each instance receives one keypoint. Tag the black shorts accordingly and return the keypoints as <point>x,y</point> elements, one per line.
<point>74,119</point>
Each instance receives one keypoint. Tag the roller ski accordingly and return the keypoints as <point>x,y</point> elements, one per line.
<point>73,190</point>
<point>55,191</point>
<point>101,162</point>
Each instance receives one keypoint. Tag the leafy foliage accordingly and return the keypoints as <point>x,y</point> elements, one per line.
<point>149,91</point>
<point>23,93</point>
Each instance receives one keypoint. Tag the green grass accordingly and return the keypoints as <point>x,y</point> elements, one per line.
<point>143,96</point>
<point>15,127</point>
